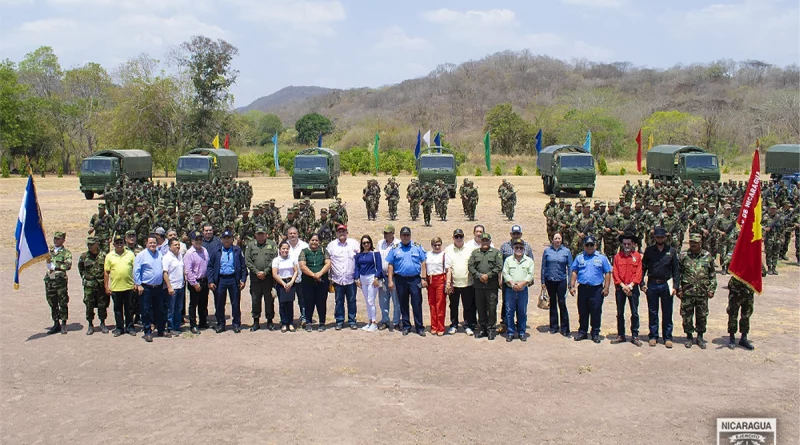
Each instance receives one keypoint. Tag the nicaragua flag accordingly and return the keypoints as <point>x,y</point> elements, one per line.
<point>419,144</point>
<point>319,140</point>
<point>539,141</point>
<point>31,246</point>
<point>437,141</point>
<point>275,151</point>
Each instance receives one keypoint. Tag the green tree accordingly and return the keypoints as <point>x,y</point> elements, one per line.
<point>509,132</point>
<point>608,132</point>
<point>260,127</point>
<point>17,126</point>
<point>674,127</point>
<point>310,126</point>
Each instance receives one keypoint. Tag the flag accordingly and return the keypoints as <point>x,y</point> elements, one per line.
<point>427,138</point>
<point>319,140</point>
<point>746,260</point>
<point>437,141</point>
<point>227,143</point>
<point>375,150</point>
<point>275,151</point>
<point>419,144</point>
<point>31,245</point>
<point>215,142</point>
<point>587,144</point>
<point>487,145</point>
<point>650,142</point>
<point>639,151</point>
<point>539,141</point>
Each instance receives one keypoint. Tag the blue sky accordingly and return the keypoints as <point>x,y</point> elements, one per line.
<point>353,43</point>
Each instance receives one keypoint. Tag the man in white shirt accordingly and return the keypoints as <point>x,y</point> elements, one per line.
<point>475,242</point>
<point>296,245</point>
<point>173,277</point>
<point>161,238</point>
<point>343,251</point>
<point>460,287</point>
<point>386,295</point>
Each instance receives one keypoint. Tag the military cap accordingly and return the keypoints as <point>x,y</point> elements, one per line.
<point>727,207</point>
<point>659,231</point>
<point>261,229</point>
<point>598,202</point>
<point>245,210</point>
<point>589,240</point>
<point>621,196</point>
<point>626,204</point>
<point>91,240</point>
<point>59,235</point>
<point>101,205</point>
<point>216,203</point>
<point>579,204</point>
<point>696,237</point>
<point>486,236</point>
<point>388,229</point>
<point>552,196</point>
<point>519,242</point>
<point>306,200</point>
<point>601,203</point>
<point>323,210</point>
<point>772,205</point>
<point>130,233</point>
<point>670,205</point>
<point>678,199</point>
<point>560,199</point>
<point>272,200</point>
<point>119,238</point>
<point>568,203</point>
<point>197,211</point>
<point>612,204</point>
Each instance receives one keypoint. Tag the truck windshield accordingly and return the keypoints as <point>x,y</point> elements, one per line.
<point>577,161</point>
<point>701,161</point>
<point>96,165</point>
<point>437,162</point>
<point>310,163</point>
<point>191,163</point>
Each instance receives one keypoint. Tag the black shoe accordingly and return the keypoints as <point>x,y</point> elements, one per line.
<point>148,338</point>
<point>270,326</point>
<point>237,329</point>
<point>256,326</point>
<point>509,339</point>
<point>397,327</point>
<point>308,327</point>
<point>596,338</point>
<point>421,332</point>
<point>554,331</point>
<point>103,328</point>
<point>745,343</point>
<point>56,328</point>
<point>167,334</point>
<point>90,329</point>
<point>383,326</point>
<point>406,331</point>
<point>565,333</point>
<point>492,335</point>
<point>117,333</point>
<point>479,334</point>
<point>194,330</point>
<point>581,337</point>
<point>339,326</point>
<point>701,342</point>
<point>63,327</point>
<point>132,332</point>
<point>353,326</point>
<point>219,329</point>
<point>619,339</point>
<point>321,328</point>
<point>522,337</point>
<point>689,341</point>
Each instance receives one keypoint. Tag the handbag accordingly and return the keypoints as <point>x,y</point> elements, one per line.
<point>544,300</point>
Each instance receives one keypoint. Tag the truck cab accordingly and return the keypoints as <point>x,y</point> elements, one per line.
<point>438,163</point>
<point>105,168</point>
<point>668,162</point>
<point>567,168</point>
<point>206,164</point>
<point>316,170</point>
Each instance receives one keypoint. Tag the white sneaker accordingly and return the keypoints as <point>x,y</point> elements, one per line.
<point>469,332</point>
<point>366,327</point>
<point>372,327</point>
<point>452,330</point>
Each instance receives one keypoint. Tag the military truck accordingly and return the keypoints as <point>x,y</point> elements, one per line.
<point>783,160</point>
<point>316,170</point>
<point>206,164</point>
<point>682,161</point>
<point>566,168</point>
<point>105,167</point>
<point>438,163</point>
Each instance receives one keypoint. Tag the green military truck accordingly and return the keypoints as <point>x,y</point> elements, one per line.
<point>105,167</point>
<point>783,163</point>
<point>566,168</point>
<point>668,162</point>
<point>438,163</point>
<point>206,164</point>
<point>316,170</point>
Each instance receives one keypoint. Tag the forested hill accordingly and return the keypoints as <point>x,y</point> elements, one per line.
<point>284,97</point>
<point>723,105</point>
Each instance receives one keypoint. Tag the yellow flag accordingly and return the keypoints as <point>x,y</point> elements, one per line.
<point>650,141</point>
<point>215,142</point>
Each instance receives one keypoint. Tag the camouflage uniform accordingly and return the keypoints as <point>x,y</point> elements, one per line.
<point>90,267</point>
<point>549,215</point>
<point>611,231</point>
<point>56,283</point>
<point>428,198</point>
<point>442,198</point>
<point>772,226</point>
<point>392,192</point>
<point>245,229</point>
<point>508,199</point>
<point>740,298</point>
<point>414,196</point>
<point>472,201</point>
<point>372,196</point>
<point>723,226</point>
<point>101,225</point>
<point>698,280</point>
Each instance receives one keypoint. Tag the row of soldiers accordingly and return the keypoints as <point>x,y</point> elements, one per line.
<point>431,197</point>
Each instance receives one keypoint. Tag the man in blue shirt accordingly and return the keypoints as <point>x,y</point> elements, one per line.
<point>591,278</point>
<point>148,279</point>
<point>408,273</point>
<point>227,274</point>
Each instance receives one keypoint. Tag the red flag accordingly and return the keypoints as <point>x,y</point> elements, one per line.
<point>227,143</point>
<point>746,260</point>
<point>639,151</point>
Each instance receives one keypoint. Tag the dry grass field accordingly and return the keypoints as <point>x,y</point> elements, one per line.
<point>358,387</point>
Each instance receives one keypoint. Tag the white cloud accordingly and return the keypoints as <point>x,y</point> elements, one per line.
<point>394,37</point>
<point>489,18</point>
<point>304,14</point>
<point>596,3</point>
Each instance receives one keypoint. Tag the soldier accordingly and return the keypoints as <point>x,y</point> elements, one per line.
<point>414,197</point>
<point>371,198</point>
<point>245,228</point>
<point>472,201</point>
<point>611,229</point>
<point>565,221</point>
<point>551,216</point>
<point>141,223</point>
<point>740,298</point>
<point>101,225</point>
<point>584,225</point>
<point>90,267</point>
<point>672,224</point>
<point>698,284</point>
<point>771,224</point>
<point>341,212</point>
<point>508,199</point>
<point>723,226</point>
<point>428,199</point>
<point>627,190</point>
<point>56,282</point>
<point>788,228</point>
<point>392,192</point>
<point>462,192</point>
<point>442,196</point>
<point>324,227</point>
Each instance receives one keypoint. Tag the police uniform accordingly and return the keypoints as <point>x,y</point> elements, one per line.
<point>590,272</point>
<point>405,261</point>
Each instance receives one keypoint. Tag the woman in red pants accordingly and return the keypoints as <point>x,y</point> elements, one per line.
<point>438,265</point>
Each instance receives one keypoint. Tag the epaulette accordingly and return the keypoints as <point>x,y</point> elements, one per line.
<point>416,244</point>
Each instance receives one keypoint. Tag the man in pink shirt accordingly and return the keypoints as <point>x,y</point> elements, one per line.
<point>195,264</point>
<point>343,251</point>
<point>627,274</point>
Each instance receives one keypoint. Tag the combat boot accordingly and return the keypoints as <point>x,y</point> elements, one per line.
<point>103,327</point>
<point>64,327</point>
<point>90,329</point>
<point>256,325</point>
<point>732,342</point>
<point>56,328</point>
<point>689,341</point>
<point>701,341</point>
<point>745,343</point>
<point>724,270</point>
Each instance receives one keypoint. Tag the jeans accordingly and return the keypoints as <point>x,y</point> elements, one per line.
<point>153,306</point>
<point>316,294</point>
<point>227,286</point>
<point>123,309</point>
<point>659,294</point>
<point>409,288</point>
<point>174,306</point>
<point>516,304</point>
<point>386,296</point>
<point>557,291</point>
<point>198,304</point>
<point>342,291</point>
<point>467,297</point>
<point>633,299</point>
<point>370,292</point>
<point>590,305</point>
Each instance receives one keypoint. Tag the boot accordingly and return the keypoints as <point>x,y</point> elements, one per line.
<point>701,341</point>
<point>732,342</point>
<point>745,343</point>
<point>103,327</point>
<point>256,325</point>
<point>64,327</point>
<point>724,270</point>
<point>689,341</point>
<point>56,328</point>
<point>90,329</point>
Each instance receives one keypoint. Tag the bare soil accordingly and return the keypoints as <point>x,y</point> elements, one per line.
<point>358,387</point>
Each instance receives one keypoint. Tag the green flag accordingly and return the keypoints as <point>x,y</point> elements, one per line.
<point>487,144</point>
<point>375,150</point>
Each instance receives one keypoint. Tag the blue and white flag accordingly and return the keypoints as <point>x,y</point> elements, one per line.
<point>31,244</point>
<point>427,138</point>
<point>419,144</point>
<point>319,140</point>
<point>275,151</point>
<point>587,144</point>
<point>539,141</point>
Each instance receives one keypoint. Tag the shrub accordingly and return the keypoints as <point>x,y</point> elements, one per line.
<point>272,172</point>
<point>395,171</point>
<point>518,171</point>
<point>60,171</point>
<point>622,171</point>
<point>6,171</point>
<point>602,166</point>
<point>498,171</point>
<point>538,173</point>
<point>644,170</point>
<point>478,171</point>
<point>726,170</point>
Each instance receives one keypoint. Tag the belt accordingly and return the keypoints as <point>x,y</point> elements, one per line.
<point>226,275</point>
<point>408,277</point>
<point>590,285</point>
<point>657,280</point>
<point>202,280</point>
<point>148,286</point>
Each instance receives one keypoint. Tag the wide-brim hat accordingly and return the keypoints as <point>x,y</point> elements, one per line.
<point>630,236</point>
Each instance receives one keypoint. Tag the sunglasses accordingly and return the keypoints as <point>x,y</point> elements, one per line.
<point>519,248</point>
<point>437,245</point>
<point>458,236</point>
<point>365,242</point>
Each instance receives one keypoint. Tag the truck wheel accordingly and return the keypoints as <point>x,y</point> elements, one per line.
<point>548,186</point>
<point>589,193</point>
<point>554,187</point>
<point>452,194</point>
<point>89,195</point>
<point>296,194</point>
<point>327,193</point>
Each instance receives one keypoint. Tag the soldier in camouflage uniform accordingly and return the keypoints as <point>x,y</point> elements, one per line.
<point>723,226</point>
<point>551,211</point>
<point>56,283</point>
<point>565,224</point>
<point>771,225</point>
<point>627,190</point>
<point>442,197</point>
<point>428,198</point>
<point>698,284</point>
<point>788,228</point>
<point>472,200</point>
<point>141,223</point>
<point>245,229</point>
<point>670,221</point>
<point>611,232</point>
<point>392,192</point>
<point>324,227</point>
<point>508,198</point>
<point>584,225</point>
<point>371,196</point>
<point>462,192</point>
<point>90,267</point>
<point>101,225</point>
<point>740,299</point>
<point>709,234</point>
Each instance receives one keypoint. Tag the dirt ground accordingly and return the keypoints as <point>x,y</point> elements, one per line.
<point>358,387</point>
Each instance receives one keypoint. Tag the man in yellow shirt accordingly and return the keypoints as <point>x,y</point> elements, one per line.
<point>118,278</point>
<point>460,287</point>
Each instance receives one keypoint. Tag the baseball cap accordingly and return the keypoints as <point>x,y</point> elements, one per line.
<point>261,229</point>
<point>130,233</point>
<point>516,229</point>
<point>405,230</point>
<point>226,234</point>
<point>119,238</point>
<point>589,240</point>
<point>659,231</point>
<point>197,235</point>
<point>388,229</point>
<point>486,236</point>
<point>696,237</point>
<point>160,231</point>
<point>341,227</point>
<point>519,242</point>
<point>458,232</point>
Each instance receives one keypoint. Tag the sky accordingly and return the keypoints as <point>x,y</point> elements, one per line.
<point>371,43</point>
